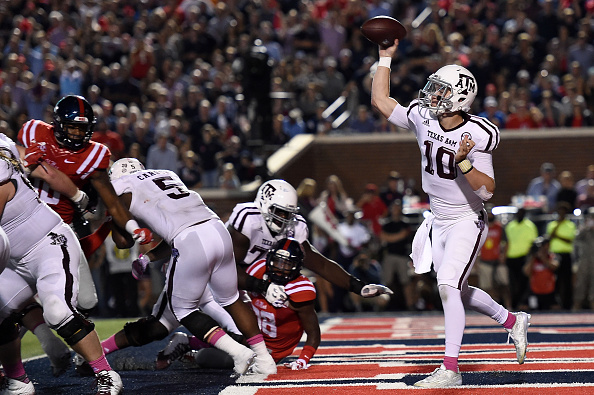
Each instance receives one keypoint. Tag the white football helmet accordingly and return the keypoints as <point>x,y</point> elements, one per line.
<point>277,201</point>
<point>123,167</point>
<point>451,88</point>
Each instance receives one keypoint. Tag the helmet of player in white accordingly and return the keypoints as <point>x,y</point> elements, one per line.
<point>277,201</point>
<point>451,88</point>
<point>123,167</point>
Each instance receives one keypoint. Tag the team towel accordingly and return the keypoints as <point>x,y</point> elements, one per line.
<point>421,246</point>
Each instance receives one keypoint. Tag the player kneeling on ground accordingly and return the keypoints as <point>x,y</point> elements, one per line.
<point>282,326</point>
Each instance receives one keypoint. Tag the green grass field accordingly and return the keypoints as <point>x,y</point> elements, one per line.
<point>105,327</point>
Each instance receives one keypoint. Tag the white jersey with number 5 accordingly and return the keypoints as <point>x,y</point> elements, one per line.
<point>247,219</point>
<point>450,194</point>
<point>163,202</point>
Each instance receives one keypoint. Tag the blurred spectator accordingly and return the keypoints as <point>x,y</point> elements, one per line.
<point>207,149</point>
<point>71,79</point>
<point>357,236</point>
<point>394,239</point>
<point>363,122</point>
<point>580,186</point>
<point>306,199</point>
<point>562,233</point>
<point>369,270</point>
<point>162,154</point>
<point>111,139</point>
<point>228,178</point>
<point>189,171</point>
<point>540,268</point>
<point>493,275</point>
<point>579,115</point>
<point>582,52</point>
<point>122,288</point>
<point>545,185</point>
<point>393,190</point>
<point>373,208</point>
<point>586,200</point>
<point>492,113</point>
<point>583,295</point>
<point>552,110</point>
<point>278,136</point>
<point>333,33</point>
<point>521,118</point>
<point>248,170</point>
<point>335,197</point>
<point>293,123</point>
<point>332,81</point>
<point>520,233</point>
<point>567,192</point>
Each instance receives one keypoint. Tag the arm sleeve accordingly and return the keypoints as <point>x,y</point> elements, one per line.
<point>483,162</point>
<point>399,117</point>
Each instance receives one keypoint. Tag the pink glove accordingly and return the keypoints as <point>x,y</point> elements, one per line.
<point>139,266</point>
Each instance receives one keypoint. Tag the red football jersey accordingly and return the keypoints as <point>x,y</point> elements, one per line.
<point>78,166</point>
<point>280,327</point>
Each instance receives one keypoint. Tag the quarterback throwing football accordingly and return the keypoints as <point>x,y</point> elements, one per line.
<point>457,174</point>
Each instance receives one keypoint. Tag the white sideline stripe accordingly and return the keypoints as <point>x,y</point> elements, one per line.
<point>243,390</point>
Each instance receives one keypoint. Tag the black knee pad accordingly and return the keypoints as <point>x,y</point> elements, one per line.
<point>199,324</point>
<point>75,330</point>
<point>9,331</point>
<point>18,316</point>
<point>144,331</point>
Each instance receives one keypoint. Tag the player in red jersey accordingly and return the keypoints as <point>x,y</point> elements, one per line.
<point>282,327</point>
<point>66,146</point>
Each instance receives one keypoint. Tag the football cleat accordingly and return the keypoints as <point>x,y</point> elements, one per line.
<point>175,350</point>
<point>440,378</point>
<point>263,364</point>
<point>82,367</point>
<point>244,360</point>
<point>519,334</point>
<point>109,382</point>
<point>10,386</point>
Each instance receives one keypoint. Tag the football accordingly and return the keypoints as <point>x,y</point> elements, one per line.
<point>383,30</point>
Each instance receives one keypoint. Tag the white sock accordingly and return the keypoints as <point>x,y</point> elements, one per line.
<point>227,344</point>
<point>260,349</point>
<point>480,301</point>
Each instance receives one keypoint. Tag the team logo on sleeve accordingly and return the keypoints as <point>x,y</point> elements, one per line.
<point>466,134</point>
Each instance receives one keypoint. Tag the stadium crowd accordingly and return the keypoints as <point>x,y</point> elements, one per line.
<point>184,84</point>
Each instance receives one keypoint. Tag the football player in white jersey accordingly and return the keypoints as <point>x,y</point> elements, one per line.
<point>457,175</point>
<point>256,226</point>
<point>201,258</point>
<point>44,259</point>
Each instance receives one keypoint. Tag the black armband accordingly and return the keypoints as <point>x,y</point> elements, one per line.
<point>356,285</point>
<point>256,285</point>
